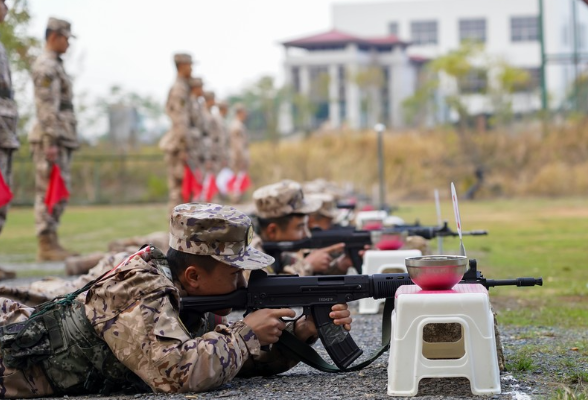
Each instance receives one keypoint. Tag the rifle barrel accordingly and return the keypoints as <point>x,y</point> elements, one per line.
<point>515,282</point>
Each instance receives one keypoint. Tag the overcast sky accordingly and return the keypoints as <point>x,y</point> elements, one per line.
<point>131,42</point>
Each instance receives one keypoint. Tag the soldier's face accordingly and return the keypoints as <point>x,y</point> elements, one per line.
<point>222,279</point>
<point>197,91</point>
<point>297,229</point>
<point>61,43</point>
<point>3,10</point>
<point>185,70</point>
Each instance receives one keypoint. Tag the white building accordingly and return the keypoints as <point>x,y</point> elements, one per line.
<point>350,79</point>
<point>427,29</point>
<point>509,30</point>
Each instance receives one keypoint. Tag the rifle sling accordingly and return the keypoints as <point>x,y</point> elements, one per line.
<point>292,347</point>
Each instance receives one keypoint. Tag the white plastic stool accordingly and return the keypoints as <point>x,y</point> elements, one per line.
<point>467,305</point>
<point>380,262</point>
<point>364,217</point>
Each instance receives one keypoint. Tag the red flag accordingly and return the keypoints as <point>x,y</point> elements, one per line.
<point>210,189</point>
<point>239,183</point>
<point>197,188</point>
<point>5,192</point>
<point>187,183</point>
<point>191,186</point>
<point>56,190</point>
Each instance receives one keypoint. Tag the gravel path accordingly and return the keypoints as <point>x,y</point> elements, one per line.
<point>303,382</point>
<point>540,361</point>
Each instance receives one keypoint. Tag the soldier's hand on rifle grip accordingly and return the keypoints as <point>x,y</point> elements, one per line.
<point>306,331</point>
<point>344,262</point>
<point>267,323</point>
<point>320,259</point>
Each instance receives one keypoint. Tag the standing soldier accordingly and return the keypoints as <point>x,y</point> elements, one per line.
<point>223,111</point>
<point>239,153</point>
<point>8,140</point>
<point>174,142</point>
<point>53,137</point>
<point>197,126</point>
<point>216,133</point>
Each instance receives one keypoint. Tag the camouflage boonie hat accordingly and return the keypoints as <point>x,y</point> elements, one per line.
<point>281,199</point>
<point>222,232</point>
<point>182,58</point>
<point>328,206</point>
<point>323,186</point>
<point>60,26</point>
<point>196,82</point>
<point>209,95</point>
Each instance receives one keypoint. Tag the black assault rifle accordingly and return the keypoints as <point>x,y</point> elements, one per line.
<point>416,229</point>
<point>317,294</point>
<point>355,240</point>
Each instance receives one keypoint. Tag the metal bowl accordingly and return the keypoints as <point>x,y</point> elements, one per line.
<point>436,272</point>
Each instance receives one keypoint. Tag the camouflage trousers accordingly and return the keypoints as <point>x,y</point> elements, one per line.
<point>45,222</point>
<point>15,383</point>
<point>175,176</point>
<point>6,171</point>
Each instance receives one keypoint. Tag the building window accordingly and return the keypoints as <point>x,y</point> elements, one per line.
<point>524,29</point>
<point>473,30</point>
<point>393,28</point>
<point>532,84</point>
<point>476,81</point>
<point>423,32</point>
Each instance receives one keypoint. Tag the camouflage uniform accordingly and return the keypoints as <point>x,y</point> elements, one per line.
<point>218,142</point>
<point>174,142</point>
<point>89,267</point>
<point>279,200</point>
<point>55,126</point>
<point>239,154</point>
<point>198,129</point>
<point>48,288</point>
<point>8,120</point>
<point>132,313</point>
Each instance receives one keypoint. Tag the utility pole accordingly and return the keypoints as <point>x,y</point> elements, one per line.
<point>575,54</point>
<point>544,105</point>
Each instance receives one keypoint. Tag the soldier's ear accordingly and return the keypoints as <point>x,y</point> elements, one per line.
<point>191,277</point>
<point>271,231</point>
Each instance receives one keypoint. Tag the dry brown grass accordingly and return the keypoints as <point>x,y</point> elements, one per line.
<point>527,163</point>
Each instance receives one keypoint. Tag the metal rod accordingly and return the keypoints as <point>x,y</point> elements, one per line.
<point>380,129</point>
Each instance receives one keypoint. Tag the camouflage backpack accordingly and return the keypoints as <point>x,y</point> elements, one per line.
<point>59,337</point>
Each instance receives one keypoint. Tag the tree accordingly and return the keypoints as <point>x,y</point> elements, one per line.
<point>92,113</point>
<point>262,100</point>
<point>370,81</point>
<point>21,50</point>
<point>508,80</point>
<point>463,72</point>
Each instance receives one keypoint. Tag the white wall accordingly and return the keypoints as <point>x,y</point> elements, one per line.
<point>372,19</point>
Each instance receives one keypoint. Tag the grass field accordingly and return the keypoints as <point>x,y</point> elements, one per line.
<point>539,237</point>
